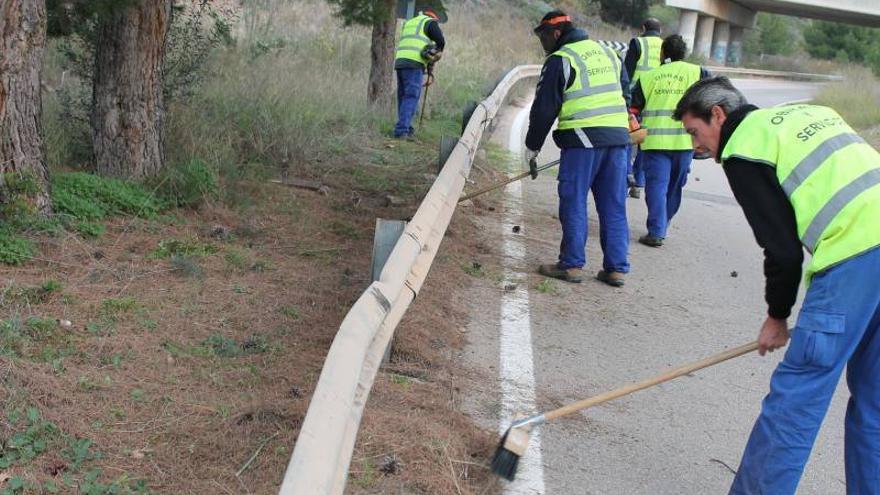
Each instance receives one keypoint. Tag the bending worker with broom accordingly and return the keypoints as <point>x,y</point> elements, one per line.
<point>803,177</point>
<point>582,83</point>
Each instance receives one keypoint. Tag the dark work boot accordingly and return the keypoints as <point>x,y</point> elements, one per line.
<point>573,275</point>
<point>649,240</point>
<point>614,279</point>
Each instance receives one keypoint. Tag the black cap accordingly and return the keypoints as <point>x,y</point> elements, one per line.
<point>651,24</point>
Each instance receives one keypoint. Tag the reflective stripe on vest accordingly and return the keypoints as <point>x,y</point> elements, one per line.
<point>414,39</point>
<point>595,98</point>
<point>649,59</point>
<point>663,88</point>
<point>830,175</point>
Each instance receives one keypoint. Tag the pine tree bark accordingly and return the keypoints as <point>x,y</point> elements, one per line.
<point>22,46</point>
<point>382,48</point>
<point>128,112</point>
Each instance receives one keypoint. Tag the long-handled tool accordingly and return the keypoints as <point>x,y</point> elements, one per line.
<point>507,181</point>
<point>429,80</point>
<point>515,441</point>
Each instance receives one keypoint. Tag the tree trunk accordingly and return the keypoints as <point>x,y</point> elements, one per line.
<point>382,50</point>
<point>128,113</point>
<point>22,46</point>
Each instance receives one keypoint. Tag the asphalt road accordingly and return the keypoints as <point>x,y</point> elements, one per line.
<point>555,343</point>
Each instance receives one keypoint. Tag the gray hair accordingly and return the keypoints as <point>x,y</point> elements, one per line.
<point>702,96</point>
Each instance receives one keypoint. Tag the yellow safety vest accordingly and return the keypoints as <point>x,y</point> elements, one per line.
<point>663,88</point>
<point>414,39</point>
<point>649,58</point>
<point>830,175</point>
<point>595,98</point>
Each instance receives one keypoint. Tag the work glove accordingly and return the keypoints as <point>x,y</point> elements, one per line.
<point>637,133</point>
<point>532,158</point>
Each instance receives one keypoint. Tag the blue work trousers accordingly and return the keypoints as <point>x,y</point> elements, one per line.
<point>604,171</point>
<point>665,175</point>
<point>839,325</point>
<point>634,165</point>
<point>409,92</point>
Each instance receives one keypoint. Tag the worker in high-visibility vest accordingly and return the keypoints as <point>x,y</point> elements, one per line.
<point>410,64</point>
<point>666,152</point>
<point>642,56</point>
<point>583,84</point>
<point>805,180</point>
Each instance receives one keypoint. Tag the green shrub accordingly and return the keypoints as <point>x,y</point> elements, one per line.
<point>40,328</point>
<point>50,286</point>
<point>181,247</point>
<point>235,260</point>
<point>189,184</point>
<point>14,250</point>
<point>23,446</point>
<point>89,229</point>
<point>88,197</point>
<point>12,337</point>
<point>21,183</point>
<point>222,346</point>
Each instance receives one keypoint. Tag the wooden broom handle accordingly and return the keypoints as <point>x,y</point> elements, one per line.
<point>506,182</point>
<point>495,186</point>
<point>650,382</point>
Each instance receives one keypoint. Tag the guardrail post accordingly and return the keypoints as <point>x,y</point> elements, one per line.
<point>469,109</point>
<point>386,236</point>
<point>447,144</point>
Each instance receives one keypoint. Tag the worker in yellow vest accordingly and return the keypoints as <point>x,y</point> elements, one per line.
<point>583,85</point>
<point>411,63</point>
<point>804,178</point>
<point>642,56</point>
<point>666,152</point>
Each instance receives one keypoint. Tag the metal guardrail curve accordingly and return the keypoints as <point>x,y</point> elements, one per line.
<point>322,454</point>
<point>772,74</point>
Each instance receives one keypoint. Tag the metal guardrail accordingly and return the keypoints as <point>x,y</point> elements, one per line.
<point>322,454</point>
<point>772,74</point>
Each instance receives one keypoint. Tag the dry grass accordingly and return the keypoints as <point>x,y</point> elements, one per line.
<point>148,378</point>
<point>857,99</point>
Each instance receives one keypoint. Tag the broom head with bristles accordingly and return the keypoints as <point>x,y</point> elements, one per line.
<point>512,446</point>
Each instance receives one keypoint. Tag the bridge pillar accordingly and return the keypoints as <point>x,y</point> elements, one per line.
<point>703,41</point>
<point>687,28</point>
<point>734,50</point>
<point>720,42</point>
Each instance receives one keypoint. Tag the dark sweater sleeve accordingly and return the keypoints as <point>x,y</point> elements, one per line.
<point>638,97</point>
<point>548,102</point>
<point>436,35</point>
<point>704,73</point>
<point>772,219</point>
<point>632,57</point>
<point>624,85</point>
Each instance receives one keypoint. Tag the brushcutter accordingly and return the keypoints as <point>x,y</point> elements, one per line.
<point>508,181</point>
<point>515,441</point>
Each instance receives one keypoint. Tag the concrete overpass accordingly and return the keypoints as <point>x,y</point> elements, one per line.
<point>714,28</point>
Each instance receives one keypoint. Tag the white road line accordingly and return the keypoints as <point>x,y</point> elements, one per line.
<point>516,364</point>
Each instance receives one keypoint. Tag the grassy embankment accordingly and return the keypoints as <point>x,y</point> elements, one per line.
<point>857,98</point>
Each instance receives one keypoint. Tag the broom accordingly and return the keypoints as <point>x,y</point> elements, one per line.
<point>507,181</point>
<point>515,440</point>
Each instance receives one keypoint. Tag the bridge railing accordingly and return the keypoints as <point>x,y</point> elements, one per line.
<point>772,74</point>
